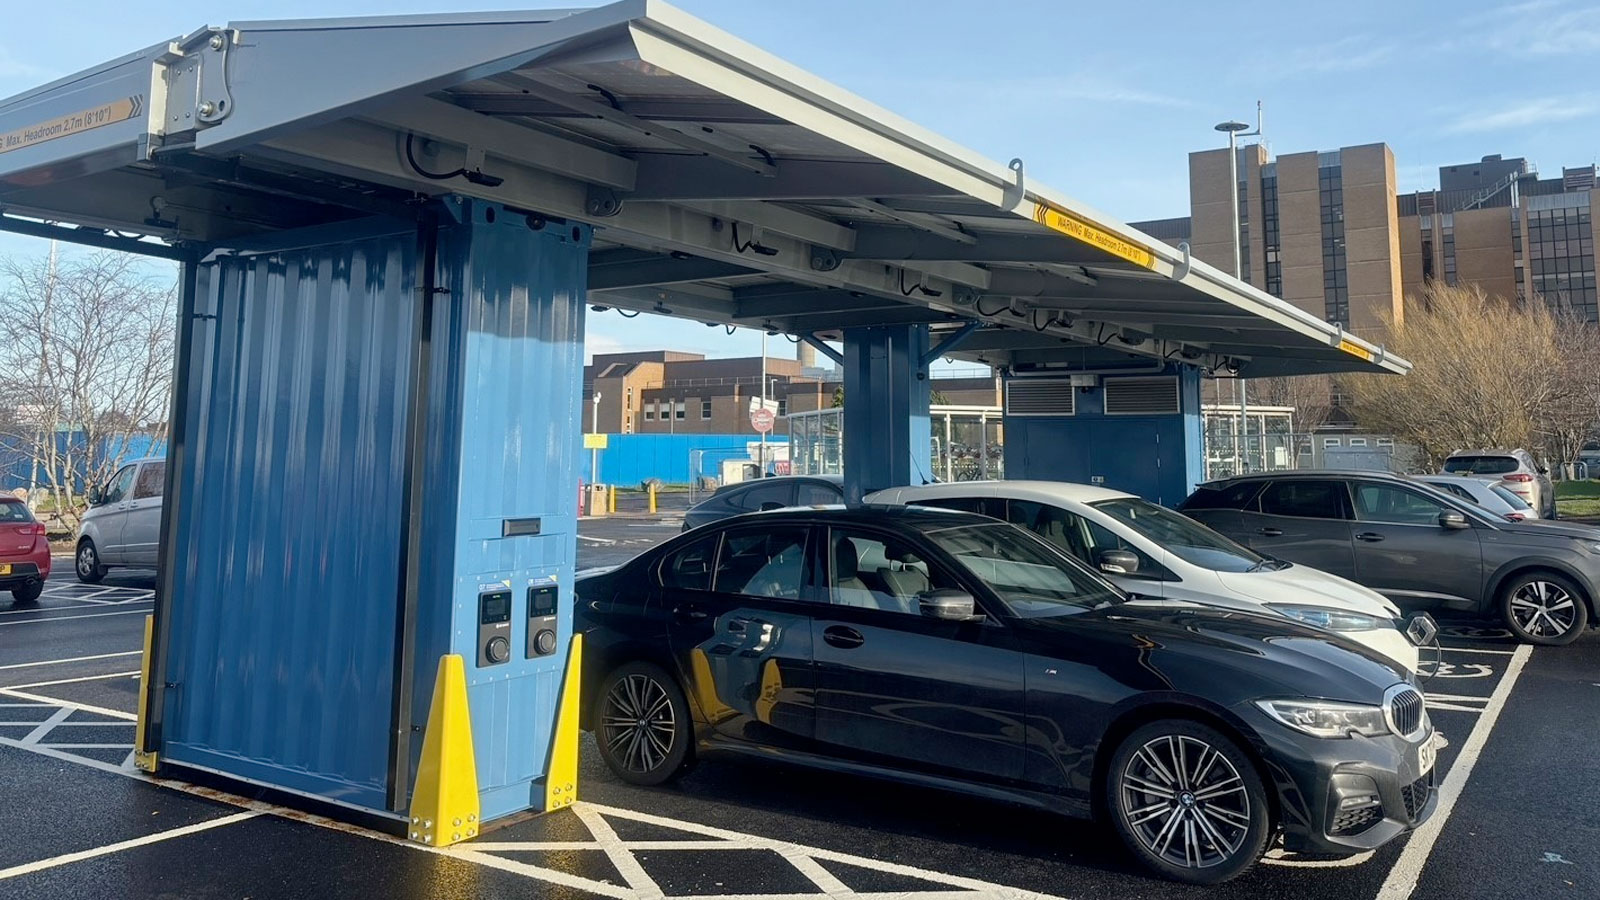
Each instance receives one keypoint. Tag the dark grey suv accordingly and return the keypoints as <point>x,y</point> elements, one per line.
<point>1418,546</point>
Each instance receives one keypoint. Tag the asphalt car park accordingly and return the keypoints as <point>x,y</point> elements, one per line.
<point>1517,794</point>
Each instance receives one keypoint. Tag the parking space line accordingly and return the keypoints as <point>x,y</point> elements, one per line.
<point>1477,650</point>
<point>57,662</point>
<point>1407,870</point>
<point>528,870</point>
<point>40,684</point>
<point>124,612</point>
<point>627,866</point>
<point>66,858</point>
<point>57,701</point>
<point>56,718</point>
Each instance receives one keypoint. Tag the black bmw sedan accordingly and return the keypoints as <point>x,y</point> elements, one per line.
<point>958,652</point>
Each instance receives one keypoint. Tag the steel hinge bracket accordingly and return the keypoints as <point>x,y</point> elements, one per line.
<point>194,81</point>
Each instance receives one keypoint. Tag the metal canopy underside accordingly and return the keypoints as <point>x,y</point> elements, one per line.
<point>727,185</point>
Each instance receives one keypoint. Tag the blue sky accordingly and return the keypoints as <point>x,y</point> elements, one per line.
<point>1103,100</point>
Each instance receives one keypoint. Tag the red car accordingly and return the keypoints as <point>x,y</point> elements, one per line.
<point>24,553</point>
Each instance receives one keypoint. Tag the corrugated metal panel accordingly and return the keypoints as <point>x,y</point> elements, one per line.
<point>283,613</point>
<point>1156,395</point>
<point>1041,397</point>
<point>508,357</point>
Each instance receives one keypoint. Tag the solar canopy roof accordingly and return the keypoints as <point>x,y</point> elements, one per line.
<point>726,185</point>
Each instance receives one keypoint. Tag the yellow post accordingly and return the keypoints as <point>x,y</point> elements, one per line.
<point>611,498</point>
<point>142,759</point>
<point>652,488</point>
<point>561,780</point>
<point>444,801</point>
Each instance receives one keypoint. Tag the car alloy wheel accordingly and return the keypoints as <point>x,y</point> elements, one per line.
<point>1188,802</point>
<point>1185,801</point>
<point>88,564</point>
<point>643,727</point>
<point>1545,609</point>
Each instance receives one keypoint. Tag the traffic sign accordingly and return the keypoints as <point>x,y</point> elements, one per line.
<point>761,420</point>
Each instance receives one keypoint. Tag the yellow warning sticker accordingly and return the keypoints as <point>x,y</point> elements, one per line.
<point>1073,226</point>
<point>63,126</point>
<point>1354,349</point>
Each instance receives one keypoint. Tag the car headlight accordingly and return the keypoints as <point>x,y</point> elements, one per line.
<point>1327,719</point>
<point>1331,619</point>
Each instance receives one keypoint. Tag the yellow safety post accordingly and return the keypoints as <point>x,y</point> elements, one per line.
<point>652,489</point>
<point>561,780</point>
<point>444,800</point>
<point>142,759</point>
<point>611,499</point>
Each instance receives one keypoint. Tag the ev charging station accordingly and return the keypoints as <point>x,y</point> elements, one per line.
<point>389,230</point>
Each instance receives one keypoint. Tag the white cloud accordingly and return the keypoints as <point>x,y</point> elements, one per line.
<point>1347,54</point>
<point>1527,114</point>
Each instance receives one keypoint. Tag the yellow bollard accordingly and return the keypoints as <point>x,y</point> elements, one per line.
<point>611,499</point>
<point>652,498</point>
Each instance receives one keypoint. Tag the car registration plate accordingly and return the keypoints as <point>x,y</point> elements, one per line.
<point>1427,754</point>
<point>5,568</point>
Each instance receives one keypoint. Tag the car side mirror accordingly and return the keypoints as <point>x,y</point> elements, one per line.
<point>771,505</point>
<point>95,496</point>
<point>1117,562</point>
<point>949,604</point>
<point>1452,520</point>
<point>1543,471</point>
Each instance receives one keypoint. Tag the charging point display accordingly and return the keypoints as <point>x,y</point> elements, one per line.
<point>542,600</point>
<point>494,627</point>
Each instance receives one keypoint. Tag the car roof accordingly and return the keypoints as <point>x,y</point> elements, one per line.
<point>1022,489</point>
<point>1487,451</point>
<point>1452,479</point>
<point>835,480</point>
<point>1308,473</point>
<point>920,518</point>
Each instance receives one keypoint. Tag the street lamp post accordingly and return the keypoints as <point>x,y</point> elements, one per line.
<point>1234,130</point>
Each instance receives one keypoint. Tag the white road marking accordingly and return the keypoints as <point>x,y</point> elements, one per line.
<point>1477,650</point>
<point>40,684</point>
<point>57,701</point>
<point>126,612</point>
<point>57,662</point>
<point>644,887</point>
<point>56,718</point>
<point>1402,880</point>
<point>159,836</point>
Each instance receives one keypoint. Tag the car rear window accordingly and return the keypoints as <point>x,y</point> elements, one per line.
<point>1222,496</point>
<point>1506,494</point>
<point>14,511</point>
<point>1481,465</point>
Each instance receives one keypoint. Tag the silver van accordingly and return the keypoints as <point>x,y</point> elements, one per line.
<point>123,524</point>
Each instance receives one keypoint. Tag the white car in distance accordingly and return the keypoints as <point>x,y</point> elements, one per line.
<point>1163,555</point>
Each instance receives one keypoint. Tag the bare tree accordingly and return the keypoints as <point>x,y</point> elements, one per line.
<point>1310,395</point>
<point>1574,411</point>
<point>1486,372</point>
<point>86,352</point>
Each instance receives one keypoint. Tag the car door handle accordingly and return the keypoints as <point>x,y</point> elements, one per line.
<point>689,613</point>
<point>1270,532</point>
<point>1370,537</point>
<point>843,637</point>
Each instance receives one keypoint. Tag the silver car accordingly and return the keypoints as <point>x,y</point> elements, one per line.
<point>123,524</point>
<point>1494,497</point>
<point>1516,469</point>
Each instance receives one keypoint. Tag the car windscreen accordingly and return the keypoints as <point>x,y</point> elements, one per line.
<point>1512,500</point>
<point>1180,535</point>
<point>1031,578</point>
<point>12,511</point>
<point>1480,465</point>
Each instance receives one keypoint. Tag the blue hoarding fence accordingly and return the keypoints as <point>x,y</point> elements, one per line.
<point>629,459</point>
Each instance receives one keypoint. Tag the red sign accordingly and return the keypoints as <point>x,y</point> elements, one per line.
<point>780,467</point>
<point>761,420</point>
